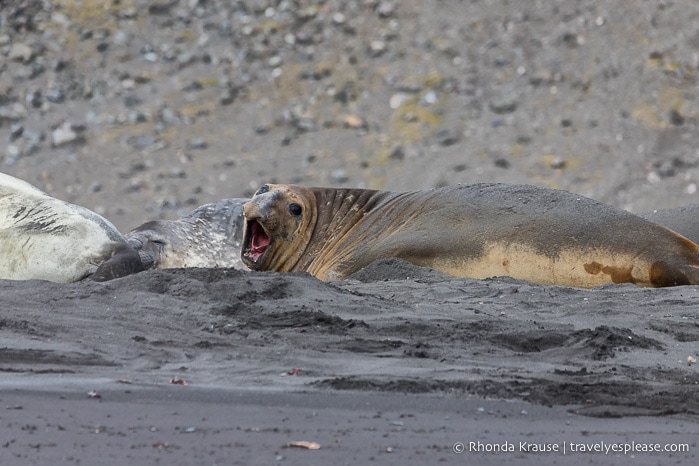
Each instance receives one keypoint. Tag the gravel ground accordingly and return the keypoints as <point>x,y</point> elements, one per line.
<point>143,110</point>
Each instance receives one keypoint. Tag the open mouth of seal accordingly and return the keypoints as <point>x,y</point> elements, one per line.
<point>256,242</point>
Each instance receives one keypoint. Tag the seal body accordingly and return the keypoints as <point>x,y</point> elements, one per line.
<point>209,236</point>
<point>48,239</point>
<point>483,230</point>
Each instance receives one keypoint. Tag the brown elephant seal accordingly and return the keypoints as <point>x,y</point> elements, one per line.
<point>48,239</point>
<point>209,236</point>
<point>683,220</point>
<point>483,230</point>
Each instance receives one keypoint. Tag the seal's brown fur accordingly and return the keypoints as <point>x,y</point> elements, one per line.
<point>483,230</point>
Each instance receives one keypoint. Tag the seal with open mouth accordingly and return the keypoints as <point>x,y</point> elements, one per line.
<point>479,231</point>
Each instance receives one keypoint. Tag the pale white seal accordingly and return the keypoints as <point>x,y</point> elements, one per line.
<point>48,239</point>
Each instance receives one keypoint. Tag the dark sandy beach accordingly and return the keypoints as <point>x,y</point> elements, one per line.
<point>144,110</point>
<point>396,365</point>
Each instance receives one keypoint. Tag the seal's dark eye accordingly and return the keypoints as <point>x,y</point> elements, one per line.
<point>295,209</point>
<point>263,189</point>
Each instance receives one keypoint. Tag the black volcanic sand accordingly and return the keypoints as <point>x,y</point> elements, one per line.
<point>394,366</point>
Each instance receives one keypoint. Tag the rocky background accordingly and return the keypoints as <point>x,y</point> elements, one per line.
<point>146,109</point>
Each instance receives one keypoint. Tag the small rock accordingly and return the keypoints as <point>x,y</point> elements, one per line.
<point>386,9</point>
<point>501,163</point>
<point>198,144</point>
<point>676,118</point>
<point>56,96</point>
<point>161,8</point>
<point>185,59</point>
<point>339,176</point>
<point>14,112</point>
<point>275,61</point>
<point>141,142</point>
<point>503,105</point>
<point>558,163</point>
<point>16,131</point>
<point>193,86</point>
<point>12,153</point>
<point>169,116</point>
<point>376,48</point>
<point>138,117</point>
<point>34,99</point>
<point>120,37</point>
<point>339,19</point>
<point>305,125</point>
<point>397,153</point>
<point>228,96</point>
<point>132,100</point>
<point>353,121</point>
<point>397,100</point>
<point>429,98</point>
<point>225,28</point>
<point>448,136</point>
<point>67,133</point>
<point>20,52</point>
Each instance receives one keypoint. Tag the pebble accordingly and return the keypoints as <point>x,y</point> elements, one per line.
<point>169,116</point>
<point>397,153</point>
<point>429,98</point>
<point>377,48</point>
<point>353,121</point>
<point>503,105</point>
<point>228,96</point>
<point>198,144</point>
<point>55,96</point>
<point>339,176</point>
<point>448,136</point>
<point>20,52</point>
<point>141,142</point>
<point>386,9</point>
<point>16,131</point>
<point>67,133</point>
<point>397,100</point>
<point>339,19</point>
<point>13,112</point>
<point>12,153</point>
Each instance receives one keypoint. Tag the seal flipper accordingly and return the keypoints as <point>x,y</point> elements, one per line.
<point>125,261</point>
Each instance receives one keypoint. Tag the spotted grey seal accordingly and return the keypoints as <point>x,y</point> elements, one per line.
<point>482,230</point>
<point>208,236</point>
